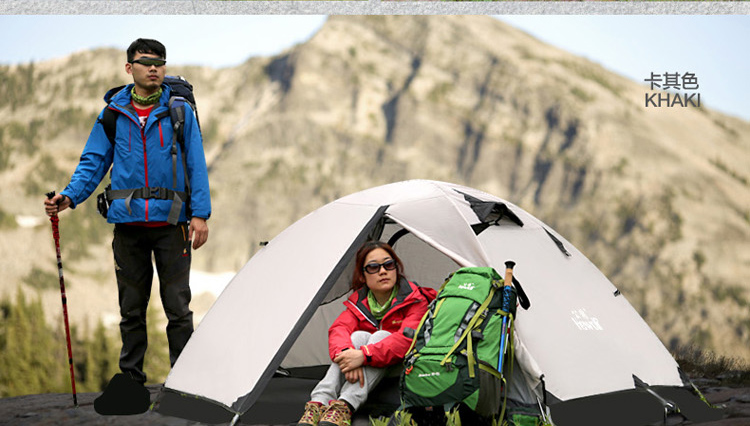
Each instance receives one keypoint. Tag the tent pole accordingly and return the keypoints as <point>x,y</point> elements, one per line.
<point>235,419</point>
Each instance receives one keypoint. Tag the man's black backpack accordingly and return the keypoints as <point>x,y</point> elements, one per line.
<point>182,92</point>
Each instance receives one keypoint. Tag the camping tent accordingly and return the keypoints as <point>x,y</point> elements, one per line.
<point>267,332</point>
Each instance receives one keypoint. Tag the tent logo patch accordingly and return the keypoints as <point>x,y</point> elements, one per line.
<point>585,322</point>
<point>467,286</point>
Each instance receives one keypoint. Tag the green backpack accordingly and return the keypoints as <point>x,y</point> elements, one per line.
<point>456,349</point>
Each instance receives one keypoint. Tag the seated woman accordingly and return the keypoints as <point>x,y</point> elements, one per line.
<point>368,336</point>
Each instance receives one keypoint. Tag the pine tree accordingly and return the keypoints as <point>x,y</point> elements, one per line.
<point>5,308</point>
<point>101,359</point>
<point>31,359</point>
<point>33,355</point>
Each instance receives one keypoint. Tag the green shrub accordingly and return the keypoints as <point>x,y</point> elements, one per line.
<point>698,363</point>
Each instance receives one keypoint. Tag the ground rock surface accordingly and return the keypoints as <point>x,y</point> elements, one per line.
<point>57,409</point>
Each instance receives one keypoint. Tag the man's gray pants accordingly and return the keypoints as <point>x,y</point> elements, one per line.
<point>335,386</point>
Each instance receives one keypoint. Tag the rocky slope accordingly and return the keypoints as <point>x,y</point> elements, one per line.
<point>658,198</point>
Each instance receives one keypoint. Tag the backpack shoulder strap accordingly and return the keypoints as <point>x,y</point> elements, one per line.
<point>177,114</point>
<point>109,117</point>
<point>109,122</point>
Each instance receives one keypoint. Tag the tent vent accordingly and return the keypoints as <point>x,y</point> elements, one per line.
<point>490,211</point>
<point>558,243</point>
<point>479,227</point>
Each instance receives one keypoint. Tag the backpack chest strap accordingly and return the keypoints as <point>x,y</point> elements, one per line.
<point>155,193</point>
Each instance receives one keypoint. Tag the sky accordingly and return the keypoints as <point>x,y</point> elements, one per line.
<point>713,47</point>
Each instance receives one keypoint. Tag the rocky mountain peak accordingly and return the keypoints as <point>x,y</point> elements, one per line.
<point>657,198</point>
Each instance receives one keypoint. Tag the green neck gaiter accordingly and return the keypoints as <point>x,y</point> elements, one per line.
<point>378,310</point>
<point>146,100</point>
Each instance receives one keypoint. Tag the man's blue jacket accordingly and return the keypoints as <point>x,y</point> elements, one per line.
<point>141,157</point>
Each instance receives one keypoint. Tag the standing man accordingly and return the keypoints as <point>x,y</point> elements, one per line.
<point>159,205</point>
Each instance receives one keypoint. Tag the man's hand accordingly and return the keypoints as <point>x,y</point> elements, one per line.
<point>56,204</point>
<point>198,233</point>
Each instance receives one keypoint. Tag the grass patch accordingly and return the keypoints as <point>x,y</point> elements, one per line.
<point>581,94</point>
<point>722,125</point>
<point>591,72</point>
<point>699,363</point>
<point>733,174</point>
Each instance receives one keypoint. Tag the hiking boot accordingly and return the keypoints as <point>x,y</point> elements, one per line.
<point>311,416</point>
<point>337,414</point>
<point>123,396</point>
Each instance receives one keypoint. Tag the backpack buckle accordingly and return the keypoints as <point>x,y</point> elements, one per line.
<point>157,193</point>
<point>149,192</point>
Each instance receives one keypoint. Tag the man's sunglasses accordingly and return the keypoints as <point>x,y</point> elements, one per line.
<point>150,61</point>
<point>374,268</point>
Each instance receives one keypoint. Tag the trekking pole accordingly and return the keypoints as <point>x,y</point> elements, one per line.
<point>56,235</point>
<point>505,307</point>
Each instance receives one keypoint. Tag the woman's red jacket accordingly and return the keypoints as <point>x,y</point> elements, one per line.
<point>407,309</point>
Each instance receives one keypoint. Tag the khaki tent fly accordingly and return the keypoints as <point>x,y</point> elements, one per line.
<point>581,350</point>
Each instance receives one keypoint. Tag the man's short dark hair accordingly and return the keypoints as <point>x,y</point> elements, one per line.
<point>148,46</point>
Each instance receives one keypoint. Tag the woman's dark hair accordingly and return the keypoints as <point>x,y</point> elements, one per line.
<point>146,45</point>
<point>358,277</point>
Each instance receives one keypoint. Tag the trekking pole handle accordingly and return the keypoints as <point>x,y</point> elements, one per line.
<point>504,333</point>
<point>50,195</point>
<point>509,264</point>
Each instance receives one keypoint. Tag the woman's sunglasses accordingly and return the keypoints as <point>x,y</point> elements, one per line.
<point>374,268</point>
<point>150,61</point>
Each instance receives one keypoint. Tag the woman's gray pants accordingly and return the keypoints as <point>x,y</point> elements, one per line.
<point>335,386</point>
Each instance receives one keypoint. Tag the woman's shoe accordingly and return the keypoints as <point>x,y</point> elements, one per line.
<point>311,416</point>
<point>337,414</point>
